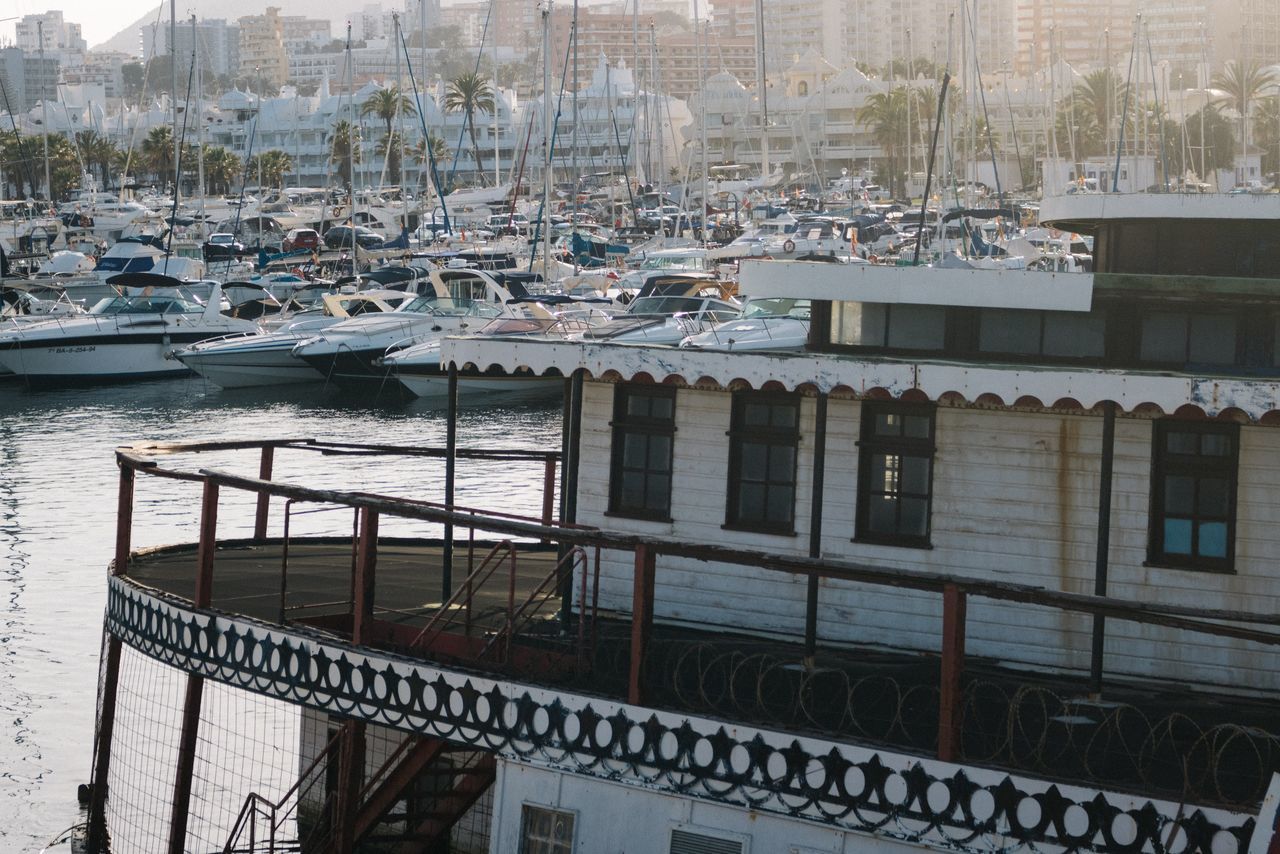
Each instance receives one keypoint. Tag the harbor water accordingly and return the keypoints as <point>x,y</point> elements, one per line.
<point>58,482</point>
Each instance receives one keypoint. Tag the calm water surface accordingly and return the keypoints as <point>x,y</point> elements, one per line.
<point>58,483</point>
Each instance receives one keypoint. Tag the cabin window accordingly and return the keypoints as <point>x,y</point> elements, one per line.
<point>895,473</point>
<point>1187,338</point>
<point>643,434</point>
<point>763,440</point>
<point>1193,494</point>
<point>545,831</point>
<point>900,327</point>
<point>1064,334</point>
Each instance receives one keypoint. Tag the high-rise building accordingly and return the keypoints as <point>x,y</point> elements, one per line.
<point>1083,33</point>
<point>218,42</point>
<point>1197,37</point>
<point>301,32</point>
<point>58,35</point>
<point>262,54</point>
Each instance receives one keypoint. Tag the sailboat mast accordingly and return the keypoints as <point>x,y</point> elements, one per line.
<point>195,51</point>
<point>546,139</point>
<point>573,168</point>
<point>497,149</point>
<point>44,118</point>
<point>173,62</point>
<point>698,36</point>
<point>762,84</point>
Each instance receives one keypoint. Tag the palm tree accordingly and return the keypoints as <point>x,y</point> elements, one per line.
<point>344,148</point>
<point>272,164</point>
<point>1242,83</point>
<point>386,104</point>
<point>157,152</point>
<point>885,113</point>
<point>426,150</point>
<point>98,151</point>
<point>467,94</point>
<point>1267,125</point>
<point>220,168</point>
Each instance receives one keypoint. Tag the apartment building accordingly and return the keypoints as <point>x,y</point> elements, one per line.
<point>262,52</point>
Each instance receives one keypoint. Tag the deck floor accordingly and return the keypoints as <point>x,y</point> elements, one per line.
<point>316,581</point>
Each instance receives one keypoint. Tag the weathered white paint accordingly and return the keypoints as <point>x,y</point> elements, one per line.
<point>1015,498</point>
<point>1031,289</point>
<point>1151,206</point>
<point>826,372</point>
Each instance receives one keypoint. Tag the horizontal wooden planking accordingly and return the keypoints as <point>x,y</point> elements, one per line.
<point>1009,502</point>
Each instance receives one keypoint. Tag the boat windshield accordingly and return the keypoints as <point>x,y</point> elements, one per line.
<point>125,265</point>
<point>145,305</point>
<point>450,307</point>
<point>673,262</point>
<point>777,307</point>
<point>670,305</point>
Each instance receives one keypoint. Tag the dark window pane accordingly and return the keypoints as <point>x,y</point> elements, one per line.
<point>756,415</point>
<point>634,450</point>
<point>915,475</point>
<point>882,515</point>
<point>1213,539</point>
<point>751,502</point>
<point>917,327</point>
<point>1182,443</point>
<point>782,462</point>
<point>661,407</point>
<point>659,453</point>
<point>888,424</point>
<point>1213,498</point>
<point>1179,494</point>
<point>916,426</point>
<point>1213,339</point>
<point>1164,338</point>
<point>755,460</point>
<point>785,416</point>
<point>1215,444</point>
<point>781,501</point>
<point>1009,331</point>
<point>1177,536</point>
<point>915,517</point>
<point>657,497</point>
<point>632,489</point>
<point>859,324</point>
<point>1075,335</point>
<point>638,405</point>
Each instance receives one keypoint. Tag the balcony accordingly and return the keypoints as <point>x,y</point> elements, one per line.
<point>508,605</point>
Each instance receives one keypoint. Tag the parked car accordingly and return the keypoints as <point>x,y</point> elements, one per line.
<point>222,245</point>
<point>344,236</point>
<point>301,238</point>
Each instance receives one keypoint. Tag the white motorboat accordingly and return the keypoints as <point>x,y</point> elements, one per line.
<point>351,353</point>
<point>265,358</point>
<point>120,339</point>
<point>129,256</point>
<point>766,324</point>
<point>418,367</point>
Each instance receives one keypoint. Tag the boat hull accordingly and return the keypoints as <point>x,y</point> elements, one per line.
<point>88,363</point>
<point>433,384</point>
<point>354,370</point>
<point>251,367</point>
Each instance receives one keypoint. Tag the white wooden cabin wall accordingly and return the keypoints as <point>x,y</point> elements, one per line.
<point>1015,498</point>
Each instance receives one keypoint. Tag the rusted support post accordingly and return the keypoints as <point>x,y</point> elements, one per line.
<point>641,622</point>
<point>366,573</point>
<point>97,838</point>
<point>124,521</point>
<point>569,488</point>
<point>548,490</point>
<point>264,500</point>
<point>950,704</point>
<point>350,779</point>
<point>195,684</point>
<point>1101,559</point>
<point>450,471</point>
<point>815,528</point>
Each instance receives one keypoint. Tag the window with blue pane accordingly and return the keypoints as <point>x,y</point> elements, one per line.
<point>1193,494</point>
<point>895,473</point>
<point>764,436</point>
<point>643,434</point>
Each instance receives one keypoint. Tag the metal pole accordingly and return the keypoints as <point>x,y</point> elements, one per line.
<point>195,684</point>
<point>264,499</point>
<point>546,140</point>
<point>815,527</point>
<point>450,468</point>
<point>950,703</point>
<point>44,109</point>
<point>569,486</point>
<point>641,621</point>
<point>928,178</point>
<point>1104,542</point>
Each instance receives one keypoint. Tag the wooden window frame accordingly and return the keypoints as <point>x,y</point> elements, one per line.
<point>624,424</point>
<point>1164,463</point>
<point>526,813</point>
<point>738,433</point>
<point>868,444</point>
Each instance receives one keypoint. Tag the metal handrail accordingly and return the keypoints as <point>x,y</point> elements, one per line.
<point>466,591</point>
<point>540,594</point>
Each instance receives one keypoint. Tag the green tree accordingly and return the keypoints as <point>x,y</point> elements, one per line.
<point>157,152</point>
<point>344,147</point>
<point>910,69</point>
<point>469,93</point>
<point>272,164</point>
<point>885,114</point>
<point>221,167</point>
<point>99,153</point>
<point>1267,134</point>
<point>1216,149</point>
<point>64,166</point>
<point>439,151</point>
<point>387,104</point>
<point>1242,83</point>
